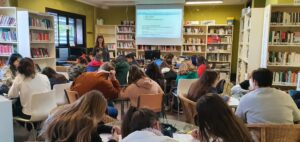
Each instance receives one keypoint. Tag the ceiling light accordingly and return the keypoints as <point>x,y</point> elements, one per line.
<point>203,2</point>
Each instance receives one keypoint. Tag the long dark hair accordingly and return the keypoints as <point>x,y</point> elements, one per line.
<point>135,73</point>
<point>137,119</point>
<point>49,72</point>
<point>216,120</point>
<point>153,72</point>
<point>12,58</point>
<point>203,84</point>
<point>26,67</point>
<point>97,42</point>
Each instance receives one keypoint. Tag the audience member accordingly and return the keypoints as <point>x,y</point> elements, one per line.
<point>94,64</point>
<point>54,77</point>
<point>101,49</point>
<point>75,70</point>
<point>168,71</point>
<point>241,89</point>
<point>26,84</point>
<point>202,65</point>
<point>217,123</point>
<point>131,60</point>
<point>142,125</point>
<point>265,104</point>
<point>79,121</point>
<point>186,71</point>
<point>122,68</point>
<point>153,72</point>
<point>139,84</point>
<point>10,70</point>
<point>206,84</point>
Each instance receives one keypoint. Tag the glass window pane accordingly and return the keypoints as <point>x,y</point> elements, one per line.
<point>55,26</point>
<point>79,31</point>
<point>62,27</point>
<point>72,32</point>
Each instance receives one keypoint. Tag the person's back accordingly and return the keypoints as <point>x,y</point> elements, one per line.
<point>122,71</point>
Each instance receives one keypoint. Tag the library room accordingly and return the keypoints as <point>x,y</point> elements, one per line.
<point>150,70</point>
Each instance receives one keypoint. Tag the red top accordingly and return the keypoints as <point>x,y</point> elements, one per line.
<point>201,70</point>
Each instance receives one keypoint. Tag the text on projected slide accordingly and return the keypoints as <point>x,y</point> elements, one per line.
<point>159,23</point>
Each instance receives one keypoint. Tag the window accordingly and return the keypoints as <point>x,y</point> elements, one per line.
<point>69,28</point>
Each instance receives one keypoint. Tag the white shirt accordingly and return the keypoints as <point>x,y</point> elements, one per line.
<point>26,87</point>
<point>146,136</point>
<point>268,105</point>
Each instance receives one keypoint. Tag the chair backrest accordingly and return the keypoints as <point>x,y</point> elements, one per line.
<point>71,96</point>
<point>189,109</point>
<point>184,85</point>
<point>41,105</point>
<point>150,101</point>
<point>275,133</point>
<point>60,96</point>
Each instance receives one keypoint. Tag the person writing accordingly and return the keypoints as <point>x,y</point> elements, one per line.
<point>101,49</point>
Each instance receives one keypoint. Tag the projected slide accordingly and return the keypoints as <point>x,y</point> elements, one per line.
<point>159,23</point>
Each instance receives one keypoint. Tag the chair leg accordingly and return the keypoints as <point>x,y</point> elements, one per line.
<point>34,131</point>
<point>178,108</point>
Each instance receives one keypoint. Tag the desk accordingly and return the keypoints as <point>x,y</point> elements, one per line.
<point>6,120</point>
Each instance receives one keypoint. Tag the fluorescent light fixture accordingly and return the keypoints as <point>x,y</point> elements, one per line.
<point>203,2</point>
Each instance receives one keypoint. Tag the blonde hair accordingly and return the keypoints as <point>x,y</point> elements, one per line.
<point>77,121</point>
<point>186,66</point>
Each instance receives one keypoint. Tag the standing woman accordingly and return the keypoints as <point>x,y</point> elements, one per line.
<point>101,49</point>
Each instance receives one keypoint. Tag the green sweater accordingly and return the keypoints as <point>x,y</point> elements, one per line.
<point>189,75</point>
<point>121,72</point>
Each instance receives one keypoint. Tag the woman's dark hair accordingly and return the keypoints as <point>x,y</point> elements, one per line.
<point>153,72</point>
<point>263,77</point>
<point>97,42</point>
<point>217,121</point>
<point>135,73</point>
<point>26,67</point>
<point>245,85</point>
<point>201,60</point>
<point>82,60</point>
<point>121,58</point>
<point>203,84</point>
<point>12,58</point>
<point>49,72</point>
<point>138,119</point>
<point>168,58</point>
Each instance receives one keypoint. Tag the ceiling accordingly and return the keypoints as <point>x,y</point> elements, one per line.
<point>103,3</point>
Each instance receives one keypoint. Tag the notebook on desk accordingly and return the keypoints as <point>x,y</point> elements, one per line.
<point>184,138</point>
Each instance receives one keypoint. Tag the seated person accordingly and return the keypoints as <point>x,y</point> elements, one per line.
<point>26,84</point>
<point>79,121</point>
<point>142,125</point>
<point>153,72</point>
<point>131,60</point>
<point>265,104</point>
<point>206,84</point>
<point>122,68</point>
<point>54,77</point>
<point>75,70</point>
<point>217,123</point>
<point>139,84</point>
<point>94,64</point>
<point>241,89</point>
<point>104,81</point>
<point>187,71</point>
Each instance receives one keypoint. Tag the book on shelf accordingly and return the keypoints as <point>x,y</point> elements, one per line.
<point>7,20</point>
<point>39,53</point>
<point>284,37</point>
<point>220,48</point>
<point>6,49</point>
<point>284,58</point>
<point>125,37</point>
<point>39,36</point>
<point>110,46</point>
<point>159,47</point>
<point>125,45</point>
<point>128,22</point>
<point>286,18</point>
<point>285,78</point>
<point>220,30</point>
<point>194,40</point>
<point>40,22</point>
<point>194,30</point>
<point>8,35</point>
<point>212,39</point>
<point>213,57</point>
<point>126,29</point>
<point>193,48</point>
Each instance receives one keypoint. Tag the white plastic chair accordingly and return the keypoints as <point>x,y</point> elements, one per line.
<point>60,96</point>
<point>41,105</point>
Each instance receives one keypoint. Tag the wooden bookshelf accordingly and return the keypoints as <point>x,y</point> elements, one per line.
<point>37,37</point>
<point>109,33</point>
<point>281,42</point>
<point>8,27</point>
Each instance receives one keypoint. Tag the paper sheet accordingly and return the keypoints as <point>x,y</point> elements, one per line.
<point>184,138</point>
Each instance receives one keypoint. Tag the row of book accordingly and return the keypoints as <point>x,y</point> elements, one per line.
<point>212,57</point>
<point>284,37</point>
<point>38,22</point>
<point>126,37</point>
<point>212,39</point>
<point>127,22</point>
<point>288,18</point>
<point>220,66</point>
<point>219,48</point>
<point>194,30</point>
<point>125,45</point>
<point>111,46</point>
<point>284,58</point>
<point>6,49</point>
<point>8,35</point>
<point>218,30</point>
<point>193,48</point>
<point>126,29</point>
<point>7,20</point>
<point>285,78</point>
<point>39,36</point>
<point>39,52</point>
<point>156,47</point>
<point>194,40</point>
